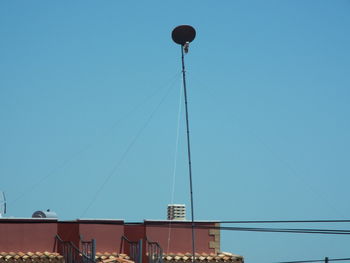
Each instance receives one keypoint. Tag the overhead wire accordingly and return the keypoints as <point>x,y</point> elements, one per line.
<point>259,229</point>
<point>125,153</point>
<point>87,147</point>
<point>303,261</point>
<point>175,161</point>
<point>285,221</point>
<point>315,260</point>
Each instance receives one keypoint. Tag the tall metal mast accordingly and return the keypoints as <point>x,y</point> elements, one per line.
<point>183,35</point>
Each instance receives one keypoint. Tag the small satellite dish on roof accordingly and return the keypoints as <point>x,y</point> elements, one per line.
<point>2,203</point>
<point>183,34</point>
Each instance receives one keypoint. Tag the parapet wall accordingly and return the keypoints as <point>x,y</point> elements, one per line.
<point>38,235</point>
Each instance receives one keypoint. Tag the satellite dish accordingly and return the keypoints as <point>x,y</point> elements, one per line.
<point>2,203</point>
<point>183,34</point>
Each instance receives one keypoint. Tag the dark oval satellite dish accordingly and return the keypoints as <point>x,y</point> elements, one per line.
<point>183,34</point>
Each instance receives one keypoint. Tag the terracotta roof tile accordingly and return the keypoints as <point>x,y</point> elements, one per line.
<point>49,257</point>
<point>19,257</point>
<point>112,258</point>
<point>205,258</point>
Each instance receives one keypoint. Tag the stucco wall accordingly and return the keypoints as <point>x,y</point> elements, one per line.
<point>27,235</point>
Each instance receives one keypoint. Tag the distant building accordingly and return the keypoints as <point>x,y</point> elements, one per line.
<point>176,212</point>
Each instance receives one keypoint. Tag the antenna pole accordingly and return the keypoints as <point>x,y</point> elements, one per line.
<point>188,150</point>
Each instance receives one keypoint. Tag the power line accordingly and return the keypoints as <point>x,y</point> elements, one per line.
<point>316,260</point>
<point>275,221</point>
<point>131,144</point>
<point>304,261</point>
<point>87,147</point>
<point>175,161</point>
<point>259,229</point>
<point>285,221</point>
<point>282,230</point>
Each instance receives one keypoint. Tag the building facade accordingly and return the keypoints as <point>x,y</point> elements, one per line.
<point>109,241</point>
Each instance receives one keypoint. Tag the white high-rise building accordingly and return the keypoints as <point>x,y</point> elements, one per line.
<point>176,212</point>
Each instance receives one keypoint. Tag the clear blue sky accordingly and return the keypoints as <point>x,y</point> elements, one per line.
<point>89,98</point>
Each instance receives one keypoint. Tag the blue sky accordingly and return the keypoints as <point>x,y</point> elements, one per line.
<point>89,102</point>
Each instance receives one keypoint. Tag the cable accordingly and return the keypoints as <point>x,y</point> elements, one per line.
<point>304,261</point>
<point>85,148</point>
<point>255,229</point>
<point>175,161</point>
<point>285,221</point>
<point>317,260</point>
<point>169,83</point>
<point>115,168</point>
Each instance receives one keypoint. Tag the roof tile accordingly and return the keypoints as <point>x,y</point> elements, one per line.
<point>112,258</point>
<point>19,257</point>
<point>211,258</point>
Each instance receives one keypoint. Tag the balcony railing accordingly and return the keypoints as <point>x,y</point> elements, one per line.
<point>154,252</point>
<point>71,253</point>
<point>132,248</point>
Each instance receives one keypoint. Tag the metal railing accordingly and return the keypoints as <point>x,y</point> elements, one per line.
<point>154,252</point>
<point>70,252</point>
<point>132,248</point>
<point>88,248</point>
